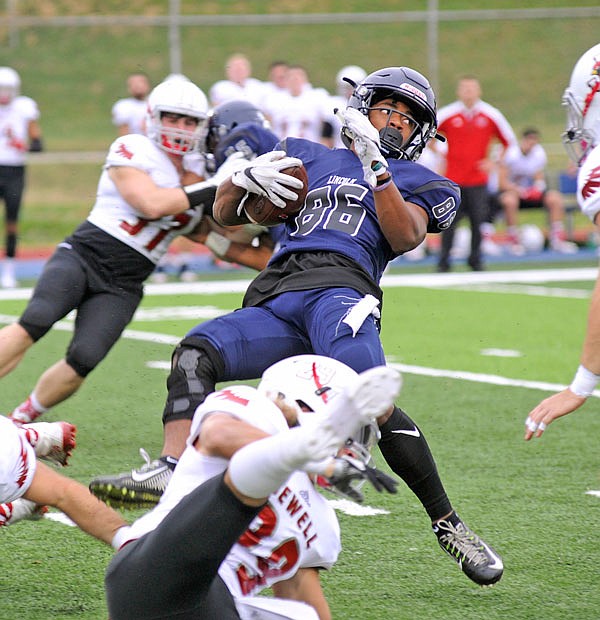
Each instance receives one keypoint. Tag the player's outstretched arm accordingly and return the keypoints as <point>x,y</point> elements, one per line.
<point>93,516</point>
<point>583,384</point>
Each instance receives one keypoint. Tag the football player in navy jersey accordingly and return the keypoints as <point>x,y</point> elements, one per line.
<point>320,293</point>
<point>239,127</point>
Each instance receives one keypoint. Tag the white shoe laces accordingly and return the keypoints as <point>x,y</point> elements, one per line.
<point>460,542</point>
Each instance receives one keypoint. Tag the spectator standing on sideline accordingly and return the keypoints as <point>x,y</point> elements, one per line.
<point>128,114</point>
<point>582,142</point>
<point>320,293</point>
<point>20,132</point>
<point>276,82</point>
<point>297,113</point>
<point>470,126</point>
<point>522,185</point>
<point>239,83</point>
<point>99,270</point>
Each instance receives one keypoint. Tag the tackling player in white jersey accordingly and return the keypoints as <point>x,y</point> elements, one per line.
<point>99,270</point>
<point>285,531</point>
<point>582,142</point>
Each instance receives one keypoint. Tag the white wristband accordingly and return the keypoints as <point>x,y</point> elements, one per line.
<point>584,382</point>
<point>121,537</point>
<point>216,243</point>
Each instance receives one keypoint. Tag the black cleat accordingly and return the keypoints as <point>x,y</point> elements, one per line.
<point>477,560</point>
<point>143,486</point>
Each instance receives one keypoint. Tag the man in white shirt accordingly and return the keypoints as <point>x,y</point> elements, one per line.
<point>239,83</point>
<point>235,507</point>
<point>297,113</point>
<point>522,185</point>
<point>128,114</point>
<point>99,270</point>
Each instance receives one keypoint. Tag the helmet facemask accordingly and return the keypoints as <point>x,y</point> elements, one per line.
<point>357,448</point>
<point>576,140</point>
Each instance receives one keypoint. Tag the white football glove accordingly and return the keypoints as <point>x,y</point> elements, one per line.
<point>234,162</point>
<point>263,176</point>
<point>366,143</point>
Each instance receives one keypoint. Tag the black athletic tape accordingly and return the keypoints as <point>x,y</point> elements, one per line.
<point>200,194</point>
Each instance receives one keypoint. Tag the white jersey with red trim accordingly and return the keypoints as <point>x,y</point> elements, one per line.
<point>296,529</point>
<point>14,130</point>
<point>17,461</point>
<point>588,184</point>
<point>193,468</point>
<point>119,219</point>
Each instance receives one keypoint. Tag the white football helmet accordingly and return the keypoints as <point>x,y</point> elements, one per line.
<point>532,238</point>
<point>310,380</point>
<point>582,100</point>
<point>10,85</point>
<point>179,97</point>
<point>354,73</point>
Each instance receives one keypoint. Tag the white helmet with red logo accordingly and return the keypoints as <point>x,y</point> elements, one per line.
<point>308,382</point>
<point>582,100</point>
<point>177,97</point>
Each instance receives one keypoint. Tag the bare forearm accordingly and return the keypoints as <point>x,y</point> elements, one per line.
<point>404,224</point>
<point>226,204</point>
<point>590,357</point>
<point>305,586</point>
<point>75,500</point>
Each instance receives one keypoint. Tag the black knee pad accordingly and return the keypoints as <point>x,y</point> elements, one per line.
<point>196,367</point>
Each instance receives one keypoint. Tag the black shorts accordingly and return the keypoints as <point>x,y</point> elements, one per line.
<point>104,308</point>
<point>12,183</point>
<point>172,572</point>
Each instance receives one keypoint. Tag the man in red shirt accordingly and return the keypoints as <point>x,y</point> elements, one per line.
<point>471,126</point>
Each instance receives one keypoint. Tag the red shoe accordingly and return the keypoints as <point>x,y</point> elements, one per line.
<point>52,441</point>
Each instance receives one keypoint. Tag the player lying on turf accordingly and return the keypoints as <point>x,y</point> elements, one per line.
<point>240,513</point>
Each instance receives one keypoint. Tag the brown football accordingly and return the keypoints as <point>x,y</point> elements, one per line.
<point>261,210</point>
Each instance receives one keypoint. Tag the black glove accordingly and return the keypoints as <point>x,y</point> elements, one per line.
<point>350,474</point>
<point>35,145</point>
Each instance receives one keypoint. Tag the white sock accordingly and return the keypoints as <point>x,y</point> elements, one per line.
<point>35,403</point>
<point>260,468</point>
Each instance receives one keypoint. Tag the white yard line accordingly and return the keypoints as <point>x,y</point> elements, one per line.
<point>426,280</point>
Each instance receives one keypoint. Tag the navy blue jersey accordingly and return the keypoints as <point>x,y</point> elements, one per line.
<point>339,214</point>
<point>250,139</point>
